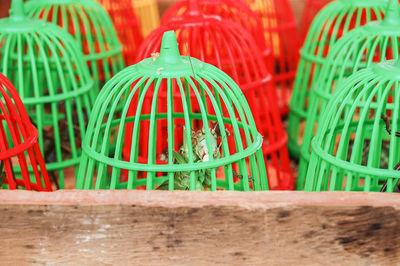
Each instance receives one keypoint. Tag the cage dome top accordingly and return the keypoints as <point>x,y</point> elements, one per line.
<point>236,11</point>
<point>90,25</point>
<point>14,114</point>
<point>81,18</point>
<point>153,90</point>
<point>234,49</point>
<point>169,62</point>
<point>54,46</point>
<point>372,43</point>
<point>390,23</point>
<point>19,22</point>
<point>356,146</point>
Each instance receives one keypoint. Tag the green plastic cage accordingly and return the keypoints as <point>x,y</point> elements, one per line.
<point>210,141</point>
<point>47,68</point>
<point>357,144</point>
<point>331,23</point>
<point>91,26</point>
<point>373,43</point>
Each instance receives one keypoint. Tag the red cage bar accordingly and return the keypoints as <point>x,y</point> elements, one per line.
<point>20,154</point>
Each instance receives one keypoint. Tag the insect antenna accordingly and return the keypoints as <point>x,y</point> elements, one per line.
<point>397,167</point>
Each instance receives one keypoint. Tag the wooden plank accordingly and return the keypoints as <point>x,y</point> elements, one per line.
<point>157,227</point>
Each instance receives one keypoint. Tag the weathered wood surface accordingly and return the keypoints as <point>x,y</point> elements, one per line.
<point>199,228</point>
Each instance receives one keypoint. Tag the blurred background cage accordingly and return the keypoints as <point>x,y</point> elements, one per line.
<point>357,145</point>
<point>311,8</point>
<point>330,25</point>
<point>270,24</point>
<point>197,115</point>
<point>46,66</point>
<point>148,13</point>
<point>19,147</point>
<point>372,43</point>
<point>127,25</point>
<point>232,10</point>
<point>280,33</point>
<point>234,51</point>
<point>91,27</point>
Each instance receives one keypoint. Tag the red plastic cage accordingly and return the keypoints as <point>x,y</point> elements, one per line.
<point>20,154</point>
<point>280,33</point>
<point>127,25</point>
<point>311,8</point>
<point>231,48</point>
<point>236,11</point>
<point>279,29</point>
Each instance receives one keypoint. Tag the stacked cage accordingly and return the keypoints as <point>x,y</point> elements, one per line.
<point>357,144</point>
<point>358,49</point>
<point>328,27</point>
<point>209,142</point>
<point>46,66</point>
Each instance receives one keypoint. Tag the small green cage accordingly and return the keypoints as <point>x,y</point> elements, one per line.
<point>47,68</point>
<point>331,23</point>
<point>93,29</point>
<point>357,144</point>
<point>373,43</point>
<point>211,141</point>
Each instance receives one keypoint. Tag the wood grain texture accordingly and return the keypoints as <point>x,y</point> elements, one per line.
<point>201,228</point>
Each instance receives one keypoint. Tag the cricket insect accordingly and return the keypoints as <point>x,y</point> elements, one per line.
<point>201,154</point>
<point>240,177</point>
<point>397,167</point>
<point>3,173</point>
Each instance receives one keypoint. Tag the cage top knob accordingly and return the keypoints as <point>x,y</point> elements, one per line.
<point>169,52</point>
<point>169,62</point>
<point>392,14</point>
<point>17,9</point>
